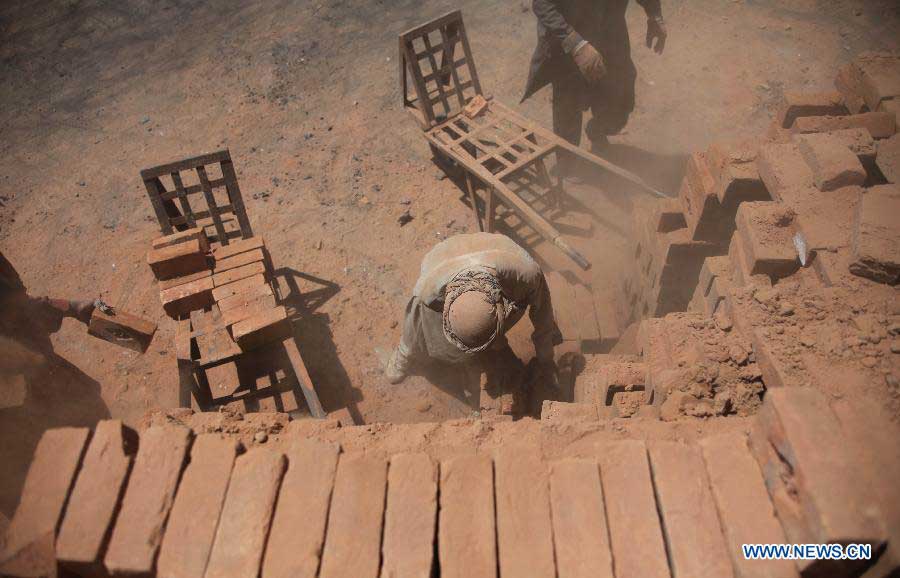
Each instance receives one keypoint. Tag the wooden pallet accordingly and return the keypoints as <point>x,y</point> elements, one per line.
<point>214,172</point>
<point>498,149</point>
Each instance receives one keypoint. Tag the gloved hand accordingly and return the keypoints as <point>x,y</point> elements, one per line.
<point>589,62</point>
<point>656,30</point>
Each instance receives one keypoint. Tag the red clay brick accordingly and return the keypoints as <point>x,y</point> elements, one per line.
<point>95,499</point>
<point>782,168</point>
<point>879,77</point>
<point>815,491</point>
<point>833,164</point>
<point>237,247</point>
<point>169,283</point>
<point>718,290</point>
<point>691,525</point>
<point>563,412</point>
<point>706,218</point>
<point>467,536</point>
<point>122,329</point>
<point>848,81</point>
<point>244,298</point>
<point>182,237</point>
<point>223,379</point>
<point>524,530</point>
<point>719,266</point>
<point>294,548</point>
<point>192,522</point>
<point>28,544</point>
<point>254,307</point>
<point>179,301</point>
<point>265,327</point>
<point>242,286</point>
<point>141,522</point>
<point>237,550</point>
<point>238,273</point>
<point>879,124</point>
<point>872,435</point>
<point>239,260</point>
<point>875,250</point>
<point>797,104</point>
<point>579,520</point>
<point>745,512</point>
<point>177,260</point>
<point>353,539</point>
<point>634,531</point>
<point>736,173</point>
<point>767,230</point>
<point>858,140</point>
<point>888,159</point>
<point>668,215</point>
<point>411,517</point>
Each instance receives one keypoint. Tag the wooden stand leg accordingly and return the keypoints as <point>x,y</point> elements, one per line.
<point>474,200</point>
<point>555,192</point>
<point>491,210</point>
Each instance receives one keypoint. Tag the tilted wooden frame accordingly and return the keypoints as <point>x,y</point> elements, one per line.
<point>182,216</point>
<point>495,146</point>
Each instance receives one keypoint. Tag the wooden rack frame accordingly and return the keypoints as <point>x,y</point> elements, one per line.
<point>495,146</point>
<point>184,215</point>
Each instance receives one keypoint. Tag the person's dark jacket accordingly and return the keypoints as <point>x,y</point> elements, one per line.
<point>600,22</point>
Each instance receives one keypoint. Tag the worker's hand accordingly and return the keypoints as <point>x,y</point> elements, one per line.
<point>656,30</point>
<point>82,310</point>
<point>546,374</point>
<point>590,63</point>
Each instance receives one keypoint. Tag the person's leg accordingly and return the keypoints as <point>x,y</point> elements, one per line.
<point>567,108</point>
<point>410,346</point>
<point>611,104</point>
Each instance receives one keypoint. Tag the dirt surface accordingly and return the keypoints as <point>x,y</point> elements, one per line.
<point>305,95</point>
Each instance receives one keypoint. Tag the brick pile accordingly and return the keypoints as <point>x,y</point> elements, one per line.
<point>209,508</point>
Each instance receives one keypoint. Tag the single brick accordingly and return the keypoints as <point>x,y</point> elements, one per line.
<point>244,298</point>
<point>816,493</point>
<point>238,273</point>
<point>294,548</point>
<point>122,328</point>
<point>848,82</point>
<point>182,237</point>
<point>467,536</point>
<point>888,159</point>
<point>410,518</point>
<point>524,531</point>
<point>237,247</point>
<point>28,544</point>
<point>858,140</point>
<point>579,521</point>
<point>242,286</point>
<point>879,124</point>
<point>745,512</point>
<point>706,218</point>
<point>782,168</point>
<point>875,250</point>
<point>832,163</point>
<point>195,513</point>
<point>239,260</point>
<point>177,260</point>
<point>634,531</point>
<point>736,173</point>
<point>237,550</point>
<point>767,230</point>
<point>718,266</point>
<point>141,522</point>
<point>223,379</point>
<point>251,308</point>
<point>668,215</point>
<point>689,519</point>
<point>879,77</point>
<point>261,329</point>
<point>179,301</point>
<point>563,412</point>
<point>353,538</point>
<point>95,499</point>
<point>797,104</point>
<point>169,283</point>
<point>718,291</point>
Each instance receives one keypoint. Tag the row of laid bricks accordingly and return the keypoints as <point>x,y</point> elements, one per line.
<point>192,508</point>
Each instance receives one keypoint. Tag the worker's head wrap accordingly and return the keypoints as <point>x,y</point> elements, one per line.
<point>484,282</point>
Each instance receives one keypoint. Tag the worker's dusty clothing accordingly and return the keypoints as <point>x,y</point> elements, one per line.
<point>561,26</point>
<point>521,281</point>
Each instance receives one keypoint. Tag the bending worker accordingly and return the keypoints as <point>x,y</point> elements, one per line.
<point>472,289</point>
<point>584,52</point>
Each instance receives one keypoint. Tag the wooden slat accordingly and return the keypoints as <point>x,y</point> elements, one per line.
<point>452,16</point>
<point>235,198</point>
<point>184,165</point>
<point>211,202</point>
<point>155,192</point>
<point>447,53</point>
<point>467,531</point>
<point>193,189</point>
<point>434,67</point>
<point>304,381</point>
<point>232,249</point>
<point>524,531</point>
<point>353,538</point>
<point>182,199</point>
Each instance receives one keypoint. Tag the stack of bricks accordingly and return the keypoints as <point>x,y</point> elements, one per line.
<point>243,294</point>
<point>181,264</point>
<point>813,470</point>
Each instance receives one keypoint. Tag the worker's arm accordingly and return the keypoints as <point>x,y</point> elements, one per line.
<point>656,28</point>
<point>550,16</point>
<point>546,333</point>
<point>653,8</point>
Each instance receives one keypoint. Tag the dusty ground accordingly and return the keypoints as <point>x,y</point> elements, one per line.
<point>305,95</point>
